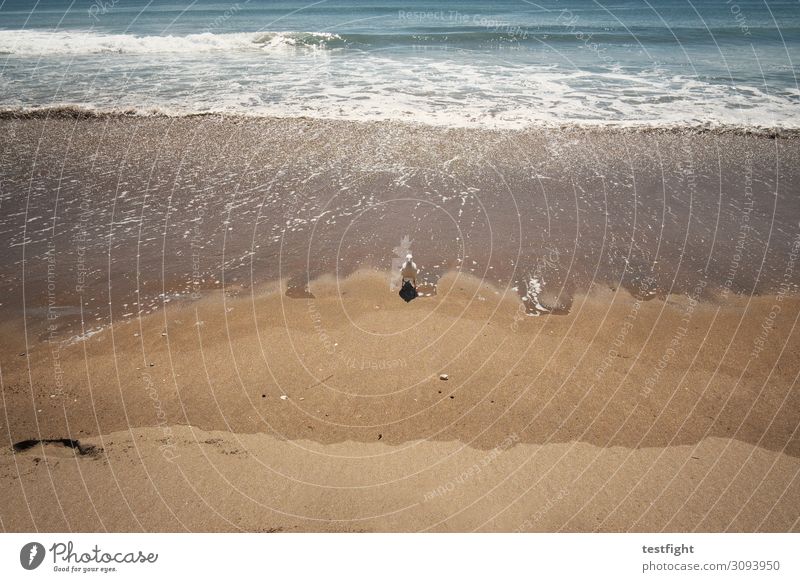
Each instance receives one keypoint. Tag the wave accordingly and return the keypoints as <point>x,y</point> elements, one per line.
<point>78,112</point>
<point>45,43</point>
<point>450,89</point>
<point>37,43</point>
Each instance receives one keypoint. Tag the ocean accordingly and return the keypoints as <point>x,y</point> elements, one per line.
<point>544,148</point>
<point>508,64</point>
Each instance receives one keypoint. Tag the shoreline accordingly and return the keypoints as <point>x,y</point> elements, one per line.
<point>83,113</point>
<point>191,205</point>
<point>191,201</point>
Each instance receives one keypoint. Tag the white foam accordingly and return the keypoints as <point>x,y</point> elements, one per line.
<point>534,290</point>
<point>41,43</point>
<point>84,336</point>
<point>257,77</point>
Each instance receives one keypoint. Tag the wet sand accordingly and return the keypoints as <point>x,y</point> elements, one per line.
<point>125,213</point>
<point>657,393</point>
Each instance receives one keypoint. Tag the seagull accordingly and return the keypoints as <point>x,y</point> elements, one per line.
<point>409,270</point>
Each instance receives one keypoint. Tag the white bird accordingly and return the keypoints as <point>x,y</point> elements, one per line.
<point>409,270</point>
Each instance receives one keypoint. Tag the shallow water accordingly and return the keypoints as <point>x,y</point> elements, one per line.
<point>121,216</point>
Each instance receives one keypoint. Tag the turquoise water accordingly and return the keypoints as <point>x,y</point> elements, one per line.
<point>510,64</point>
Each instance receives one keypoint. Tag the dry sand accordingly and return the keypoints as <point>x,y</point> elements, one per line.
<point>249,410</point>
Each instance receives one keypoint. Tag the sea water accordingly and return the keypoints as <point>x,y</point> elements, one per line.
<point>506,64</point>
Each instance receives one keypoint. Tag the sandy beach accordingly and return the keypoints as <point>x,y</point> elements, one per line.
<point>215,370</point>
<point>265,413</point>
<point>202,323</point>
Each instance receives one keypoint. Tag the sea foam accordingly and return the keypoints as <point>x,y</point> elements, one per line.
<point>44,43</point>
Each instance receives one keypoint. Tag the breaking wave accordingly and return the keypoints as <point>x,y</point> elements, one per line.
<point>39,43</point>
